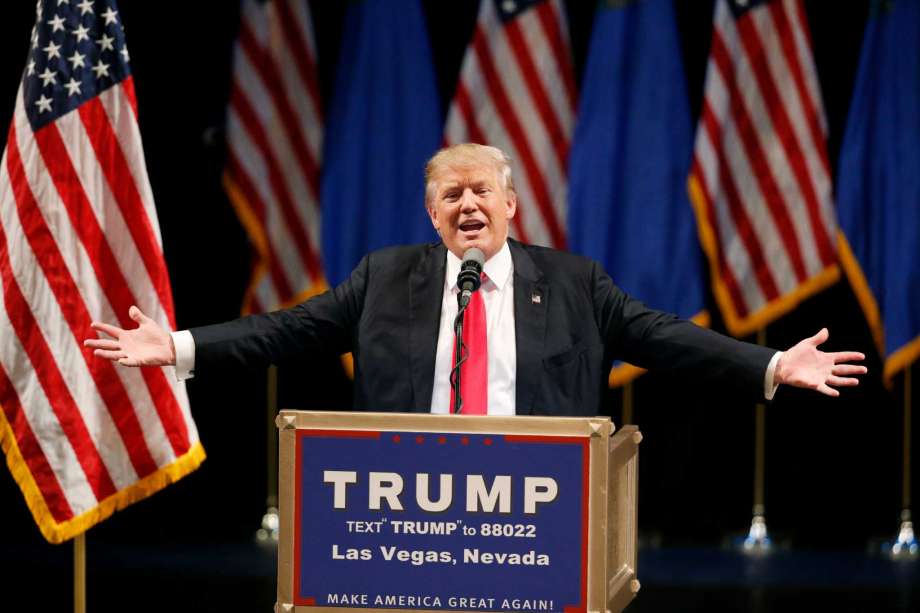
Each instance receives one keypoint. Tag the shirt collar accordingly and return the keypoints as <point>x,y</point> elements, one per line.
<point>498,268</point>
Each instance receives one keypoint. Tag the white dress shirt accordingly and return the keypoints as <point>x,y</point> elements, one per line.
<point>498,296</point>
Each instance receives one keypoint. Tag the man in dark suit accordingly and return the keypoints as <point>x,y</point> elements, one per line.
<point>553,321</point>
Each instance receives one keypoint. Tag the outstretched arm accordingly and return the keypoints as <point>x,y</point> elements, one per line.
<point>147,345</point>
<point>804,365</point>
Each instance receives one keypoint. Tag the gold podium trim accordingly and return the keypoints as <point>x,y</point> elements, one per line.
<point>612,491</point>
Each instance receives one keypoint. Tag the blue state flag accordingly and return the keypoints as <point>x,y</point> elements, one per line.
<point>384,122</point>
<point>628,167</point>
<point>878,185</point>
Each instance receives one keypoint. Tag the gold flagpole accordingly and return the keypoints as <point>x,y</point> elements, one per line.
<point>269,530</point>
<point>628,403</point>
<point>905,545</point>
<point>757,538</point>
<point>79,573</point>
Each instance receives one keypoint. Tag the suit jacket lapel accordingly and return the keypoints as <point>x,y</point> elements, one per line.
<point>426,289</point>
<point>531,299</point>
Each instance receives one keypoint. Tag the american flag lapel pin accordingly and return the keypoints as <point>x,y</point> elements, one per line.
<point>535,298</point>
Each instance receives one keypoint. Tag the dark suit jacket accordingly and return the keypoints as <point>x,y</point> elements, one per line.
<point>571,321</point>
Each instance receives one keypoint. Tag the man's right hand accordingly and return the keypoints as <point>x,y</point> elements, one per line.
<point>146,345</point>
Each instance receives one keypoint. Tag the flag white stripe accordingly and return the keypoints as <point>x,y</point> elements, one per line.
<point>536,136</point>
<point>303,200</point>
<point>736,254</point>
<point>118,109</point>
<point>806,60</point>
<point>254,166</point>
<point>546,65</point>
<point>773,150</point>
<point>295,90</point>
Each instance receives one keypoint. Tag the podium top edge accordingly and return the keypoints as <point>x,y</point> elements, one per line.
<point>423,422</point>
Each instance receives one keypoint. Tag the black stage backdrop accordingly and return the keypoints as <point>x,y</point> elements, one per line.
<point>833,465</point>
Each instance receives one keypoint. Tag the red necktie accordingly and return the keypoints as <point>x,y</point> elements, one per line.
<point>474,372</point>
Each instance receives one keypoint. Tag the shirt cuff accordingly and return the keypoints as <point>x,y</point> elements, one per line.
<point>184,344</point>
<point>769,388</point>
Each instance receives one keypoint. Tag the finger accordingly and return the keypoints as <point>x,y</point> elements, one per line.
<point>109,355</point>
<point>126,361</point>
<point>109,329</point>
<point>102,343</point>
<point>849,369</point>
<point>820,337</point>
<point>842,381</point>
<point>828,391</point>
<point>847,356</point>
<point>136,314</point>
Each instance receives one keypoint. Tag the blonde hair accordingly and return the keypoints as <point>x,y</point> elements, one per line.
<point>467,155</point>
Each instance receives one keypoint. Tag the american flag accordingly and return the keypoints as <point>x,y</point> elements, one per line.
<point>79,241</point>
<point>274,139</point>
<point>760,180</point>
<point>517,92</point>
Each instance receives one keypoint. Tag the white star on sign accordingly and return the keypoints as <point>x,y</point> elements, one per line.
<point>124,53</point>
<point>52,50</point>
<point>85,7</point>
<point>109,16</point>
<point>56,24</point>
<point>44,104</point>
<point>77,60</point>
<point>73,87</point>
<point>47,77</point>
<point>105,43</point>
<point>81,32</point>
<point>101,69</point>
<point>30,68</point>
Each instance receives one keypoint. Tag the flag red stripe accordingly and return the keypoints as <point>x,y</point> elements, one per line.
<point>812,116</point>
<point>302,55</point>
<point>518,138</point>
<point>813,121</point>
<point>257,134</point>
<point>538,94</point>
<point>725,271</point>
<point>550,23</point>
<point>787,137</point>
<point>108,273</point>
<point>69,300</point>
<point>31,451</point>
<point>743,226</point>
<point>51,380</point>
<point>128,87</point>
<point>255,306</point>
<point>279,279</point>
<point>118,175</point>
<point>462,99</point>
<point>262,61</point>
<point>760,167</point>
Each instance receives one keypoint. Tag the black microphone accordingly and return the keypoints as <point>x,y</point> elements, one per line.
<point>469,278</point>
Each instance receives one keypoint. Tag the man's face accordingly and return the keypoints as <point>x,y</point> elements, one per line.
<point>471,209</point>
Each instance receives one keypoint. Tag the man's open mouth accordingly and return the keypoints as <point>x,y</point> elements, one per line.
<point>472,226</point>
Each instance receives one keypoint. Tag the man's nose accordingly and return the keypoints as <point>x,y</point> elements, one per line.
<point>468,202</point>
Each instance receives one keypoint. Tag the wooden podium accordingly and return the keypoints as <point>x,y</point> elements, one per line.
<point>455,513</point>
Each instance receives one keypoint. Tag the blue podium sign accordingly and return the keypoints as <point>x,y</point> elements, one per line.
<point>455,513</point>
<point>440,520</point>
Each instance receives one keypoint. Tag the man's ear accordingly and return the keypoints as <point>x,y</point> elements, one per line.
<point>433,215</point>
<point>511,204</point>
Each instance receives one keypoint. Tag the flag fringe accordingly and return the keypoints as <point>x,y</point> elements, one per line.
<point>744,325</point>
<point>904,356</point>
<point>256,232</point>
<point>59,532</point>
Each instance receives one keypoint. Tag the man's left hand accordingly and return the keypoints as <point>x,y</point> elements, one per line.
<point>804,365</point>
